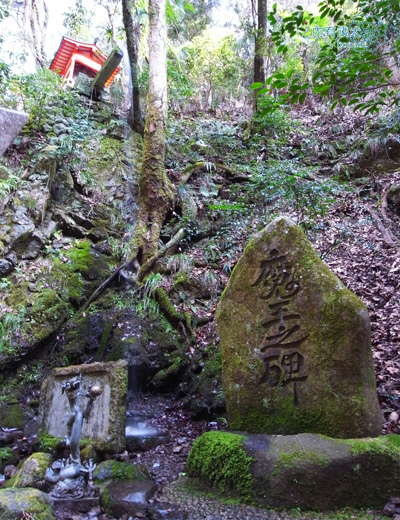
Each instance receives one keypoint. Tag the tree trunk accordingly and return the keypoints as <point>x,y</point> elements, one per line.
<point>156,192</point>
<point>35,19</point>
<point>259,69</point>
<point>136,116</point>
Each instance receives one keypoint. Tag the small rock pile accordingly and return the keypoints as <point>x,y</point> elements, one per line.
<point>392,508</point>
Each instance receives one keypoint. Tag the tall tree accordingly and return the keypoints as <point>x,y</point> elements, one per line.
<point>111,6</point>
<point>156,192</point>
<point>260,35</point>
<point>131,43</point>
<point>33,19</point>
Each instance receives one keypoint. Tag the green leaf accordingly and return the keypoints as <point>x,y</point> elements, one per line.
<point>302,98</point>
<point>189,8</point>
<point>253,86</point>
<point>262,91</point>
<point>294,99</point>
<point>344,101</point>
<point>360,105</point>
<point>337,16</point>
<point>322,89</point>
<point>279,84</point>
<point>369,83</point>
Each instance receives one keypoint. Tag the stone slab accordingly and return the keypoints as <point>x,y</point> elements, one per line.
<point>106,424</point>
<point>71,506</point>
<point>11,123</point>
<point>295,343</point>
<point>128,497</point>
<point>306,470</point>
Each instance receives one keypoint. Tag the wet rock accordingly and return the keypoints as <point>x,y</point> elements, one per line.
<point>295,343</point>
<point>5,267</point>
<point>12,258</point>
<point>10,471</point>
<point>9,435</point>
<point>128,497</point>
<point>166,511</point>
<point>392,508</point>
<point>143,437</point>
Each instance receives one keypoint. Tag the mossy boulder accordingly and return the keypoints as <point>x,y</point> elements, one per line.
<point>114,470</point>
<point>219,462</point>
<point>296,346</point>
<point>11,413</point>
<point>32,471</point>
<point>28,500</point>
<point>306,470</point>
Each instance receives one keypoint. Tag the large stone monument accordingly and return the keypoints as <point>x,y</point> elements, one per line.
<point>11,123</point>
<point>295,343</point>
<point>105,425</point>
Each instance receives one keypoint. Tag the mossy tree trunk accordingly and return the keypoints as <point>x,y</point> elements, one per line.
<point>130,31</point>
<point>156,192</point>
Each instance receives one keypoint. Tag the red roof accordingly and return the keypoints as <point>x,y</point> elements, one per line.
<point>85,57</point>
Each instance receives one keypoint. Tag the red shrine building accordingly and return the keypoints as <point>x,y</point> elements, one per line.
<point>74,57</point>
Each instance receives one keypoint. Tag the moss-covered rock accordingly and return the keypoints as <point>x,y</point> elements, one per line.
<point>114,470</point>
<point>217,459</point>
<point>32,471</point>
<point>207,387</point>
<point>114,329</point>
<point>28,500</point>
<point>295,343</point>
<point>306,470</point>
<point>11,414</point>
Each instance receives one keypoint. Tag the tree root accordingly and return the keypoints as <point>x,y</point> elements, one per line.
<point>148,264</point>
<point>388,237</point>
<point>176,319</point>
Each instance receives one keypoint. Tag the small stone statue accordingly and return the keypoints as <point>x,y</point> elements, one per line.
<point>70,476</point>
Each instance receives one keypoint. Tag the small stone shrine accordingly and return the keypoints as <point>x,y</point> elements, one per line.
<point>295,343</point>
<point>106,423</point>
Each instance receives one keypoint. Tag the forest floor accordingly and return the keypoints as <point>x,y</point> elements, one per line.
<point>303,166</point>
<point>346,219</point>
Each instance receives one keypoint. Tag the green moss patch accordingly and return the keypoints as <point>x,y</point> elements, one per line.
<point>114,470</point>
<point>28,500</point>
<point>6,456</point>
<point>218,458</point>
